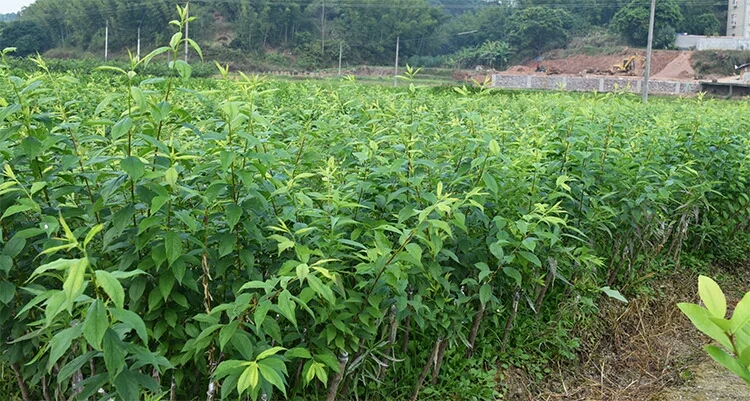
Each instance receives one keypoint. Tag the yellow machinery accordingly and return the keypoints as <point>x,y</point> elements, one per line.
<point>628,65</point>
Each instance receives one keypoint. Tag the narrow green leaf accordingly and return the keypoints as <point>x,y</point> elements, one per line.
<point>60,343</point>
<point>271,351</point>
<point>514,274</point>
<point>226,333</point>
<point>131,320</point>
<point>73,285</point>
<point>287,306</point>
<point>173,246</point>
<point>114,352</point>
<point>298,352</point>
<point>485,293</point>
<point>531,258</point>
<point>613,294</point>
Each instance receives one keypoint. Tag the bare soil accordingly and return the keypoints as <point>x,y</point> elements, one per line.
<point>645,350</point>
<point>665,64</point>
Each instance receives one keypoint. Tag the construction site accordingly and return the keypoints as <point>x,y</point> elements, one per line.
<point>671,73</point>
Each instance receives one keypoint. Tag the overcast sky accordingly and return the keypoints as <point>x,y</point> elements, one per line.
<point>13,6</point>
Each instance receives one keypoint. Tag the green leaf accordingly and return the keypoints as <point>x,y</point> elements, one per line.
<point>712,296</point>
<point>73,366</point>
<point>261,311</point>
<point>494,148</point>
<point>59,264</point>
<point>60,343</point>
<point>173,246</point>
<point>55,304</point>
<point>92,233</point>
<point>166,282</point>
<point>111,286</point>
<point>234,213</point>
<point>226,333</point>
<point>298,352</point>
<point>114,352</point>
<point>249,378</point>
<point>321,289</point>
<point>95,325</point>
<point>14,246</point>
<point>272,376</point>
<point>613,294</point>
<point>227,243</point>
<point>6,263</point>
<point>7,292</point>
<point>132,320</point>
<point>170,176</point>
<point>227,368</point>
<point>288,306</point>
<point>15,209</point>
<point>269,352</point>
<point>485,293</point>
<point>741,314</point>
<point>126,384</point>
<point>531,258</point>
<point>73,285</point>
<point>726,360</point>
<point>514,274</point>
<point>529,243</point>
<point>133,167</point>
<point>121,128</point>
<point>701,320</point>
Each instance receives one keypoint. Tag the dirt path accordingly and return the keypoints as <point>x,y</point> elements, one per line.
<point>709,382</point>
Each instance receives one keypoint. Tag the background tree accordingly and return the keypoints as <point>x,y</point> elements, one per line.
<point>27,37</point>
<point>631,22</point>
<point>538,28</point>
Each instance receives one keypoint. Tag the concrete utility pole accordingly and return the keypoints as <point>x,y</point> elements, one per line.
<point>395,71</point>
<point>648,51</point>
<point>187,16</point>
<point>138,46</point>
<point>106,40</point>
<point>323,29</point>
<point>341,49</point>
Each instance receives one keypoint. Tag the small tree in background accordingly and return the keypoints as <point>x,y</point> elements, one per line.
<point>631,22</point>
<point>26,36</point>
<point>538,28</point>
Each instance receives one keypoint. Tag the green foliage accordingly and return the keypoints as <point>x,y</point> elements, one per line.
<point>28,37</point>
<point>733,334</point>
<point>631,22</point>
<point>538,28</point>
<point>490,54</point>
<point>277,240</point>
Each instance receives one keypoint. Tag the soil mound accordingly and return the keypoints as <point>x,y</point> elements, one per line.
<point>679,68</point>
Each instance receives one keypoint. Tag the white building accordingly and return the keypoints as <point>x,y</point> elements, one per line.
<point>738,20</point>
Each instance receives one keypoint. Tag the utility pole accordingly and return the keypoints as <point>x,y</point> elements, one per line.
<point>648,51</point>
<point>106,40</point>
<point>341,48</point>
<point>187,16</point>
<point>323,29</point>
<point>138,46</point>
<point>395,71</point>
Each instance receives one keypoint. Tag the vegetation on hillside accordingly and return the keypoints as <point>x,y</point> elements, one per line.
<point>310,34</point>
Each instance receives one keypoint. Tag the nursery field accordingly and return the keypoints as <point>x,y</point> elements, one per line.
<point>178,238</point>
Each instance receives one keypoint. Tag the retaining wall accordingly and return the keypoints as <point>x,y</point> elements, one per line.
<point>697,42</point>
<point>591,84</point>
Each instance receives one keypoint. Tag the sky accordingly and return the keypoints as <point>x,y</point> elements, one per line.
<point>13,6</point>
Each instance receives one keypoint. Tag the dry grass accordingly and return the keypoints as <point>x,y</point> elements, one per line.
<point>636,351</point>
